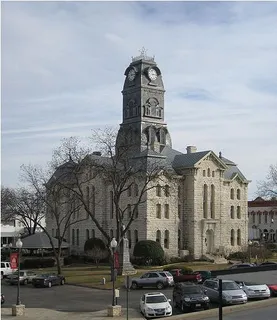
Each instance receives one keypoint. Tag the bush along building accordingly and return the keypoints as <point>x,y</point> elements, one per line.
<point>197,204</point>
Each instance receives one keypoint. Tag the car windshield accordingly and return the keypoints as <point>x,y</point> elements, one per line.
<point>156,299</point>
<point>16,273</point>
<point>229,286</point>
<point>192,290</point>
<point>45,275</point>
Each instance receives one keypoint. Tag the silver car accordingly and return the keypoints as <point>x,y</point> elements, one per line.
<point>231,292</point>
<point>25,277</point>
<point>254,290</point>
<point>157,279</point>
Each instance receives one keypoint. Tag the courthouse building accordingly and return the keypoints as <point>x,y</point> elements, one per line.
<point>201,209</point>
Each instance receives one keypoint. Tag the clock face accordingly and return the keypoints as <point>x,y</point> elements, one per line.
<point>131,75</point>
<point>152,74</point>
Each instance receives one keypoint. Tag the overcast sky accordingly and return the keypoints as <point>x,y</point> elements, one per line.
<point>63,71</point>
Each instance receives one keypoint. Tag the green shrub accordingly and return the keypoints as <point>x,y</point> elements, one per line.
<point>239,255</point>
<point>148,252</point>
<point>184,268</point>
<point>39,263</point>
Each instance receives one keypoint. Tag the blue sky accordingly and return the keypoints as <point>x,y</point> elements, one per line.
<point>63,65</point>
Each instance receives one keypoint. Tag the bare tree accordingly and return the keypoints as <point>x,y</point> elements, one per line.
<point>22,205</point>
<point>97,254</point>
<point>268,188</point>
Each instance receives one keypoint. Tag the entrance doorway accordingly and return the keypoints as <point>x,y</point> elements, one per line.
<point>210,241</point>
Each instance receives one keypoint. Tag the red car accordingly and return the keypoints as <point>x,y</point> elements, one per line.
<point>273,289</point>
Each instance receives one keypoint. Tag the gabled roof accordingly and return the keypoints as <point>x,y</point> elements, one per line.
<point>40,240</point>
<point>233,172</point>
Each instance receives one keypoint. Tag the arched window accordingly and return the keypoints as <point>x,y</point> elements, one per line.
<point>77,237</point>
<point>232,212</point>
<point>238,237</point>
<point>238,194</point>
<point>92,233</point>
<point>111,233</point>
<point>179,192</point>
<point>136,212</point>
<point>129,238</point>
<point>93,200</point>
<point>209,172</point>
<point>238,212</point>
<point>111,204</point>
<point>213,174</point>
<point>204,173</point>
<point>260,217</point>
<point>179,239</point>
<point>265,217</point>
<point>136,190</point>
<point>166,190</point>
<point>166,239</point>
<point>166,211</point>
<point>179,211</point>
<point>253,217</point>
<point>136,236</point>
<point>232,194</point>
<point>129,209</point>
<point>232,237</point>
<point>158,236</point>
<point>88,199</point>
<point>158,190</point>
<point>205,201</point>
<point>158,211</point>
<point>87,234</point>
<point>73,237</point>
<point>130,191</point>
<point>212,201</point>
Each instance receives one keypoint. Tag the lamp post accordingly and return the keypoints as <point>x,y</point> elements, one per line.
<point>19,246</point>
<point>113,245</point>
<point>249,246</point>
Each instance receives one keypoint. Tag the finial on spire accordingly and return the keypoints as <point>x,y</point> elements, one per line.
<point>143,55</point>
<point>220,154</point>
<point>143,52</point>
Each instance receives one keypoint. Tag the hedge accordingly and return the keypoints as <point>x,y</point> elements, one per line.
<point>148,252</point>
<point>39,263</point>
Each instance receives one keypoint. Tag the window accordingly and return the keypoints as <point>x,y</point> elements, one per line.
<point>87,198</point>
<point>129,236</point>
<point>166,190</point>
<point>179,239</point>
<point>87,234</point>
<point>166,239</point>
<point>77,237</point>
<point>253,217</point>
<point>238,237</point>
<point>73,237</point>
<point>205,201</point>
<point>232,212</point>
<point>238,194</point>
<point>213,174</point>
<point>179,211</point>
<point>136,236</point>
<point>238,212</point>
<point>111,204</point>
<point>158,236</point>
<point>158,211</point>
<point>136,212</point>
<point>204,173</point>
<point>260,217</point>
<point>265,217</point>
<point>93,200</point>
<point>179,193</point>
<point>232,194</point>
<point>111,233</point>
<point>209,172</point>
<point>130,191</point>
<point>166,211</point>
<point>158,190</point>
<point>212,201</point>
<point>129,209</point>
<point>53,232</point>
<point>136,190</point>
<point>232,237</point>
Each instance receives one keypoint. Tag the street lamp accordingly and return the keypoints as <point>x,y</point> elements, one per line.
<point>113,245</point>
<point>249,245</point>
<point>19,246</point>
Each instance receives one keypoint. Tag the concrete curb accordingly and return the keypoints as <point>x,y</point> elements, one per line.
<point>226,310</point>
<point>84,286</point>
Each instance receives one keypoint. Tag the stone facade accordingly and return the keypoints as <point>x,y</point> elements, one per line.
<point>199,205</point>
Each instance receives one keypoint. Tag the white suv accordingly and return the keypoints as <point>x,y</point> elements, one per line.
<point>5,269</point>
<point>231,292</point>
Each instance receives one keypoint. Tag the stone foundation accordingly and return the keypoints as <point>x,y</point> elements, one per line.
<point>18,310</point>
<point>114,311</point>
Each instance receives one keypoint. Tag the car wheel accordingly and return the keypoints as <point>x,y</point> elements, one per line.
<point>183,308</point>
<point>174,303</point>
<point>134,285</point>
<point>62,282</point>
<point>49,284</point>
<point>25,282</point>
<point>159,285</point>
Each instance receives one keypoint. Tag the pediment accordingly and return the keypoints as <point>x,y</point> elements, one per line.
<point>211,156</point>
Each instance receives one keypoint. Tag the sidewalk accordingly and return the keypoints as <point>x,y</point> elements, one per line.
<point>46,314</point>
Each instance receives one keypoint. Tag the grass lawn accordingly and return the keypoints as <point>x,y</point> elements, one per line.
<point>92,277</point>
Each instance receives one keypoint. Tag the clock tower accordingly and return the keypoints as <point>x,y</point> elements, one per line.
<point>143,125</point>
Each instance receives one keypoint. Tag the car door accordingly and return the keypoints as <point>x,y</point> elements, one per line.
<point>209,286</point>
<point>142,303</point>
<point>143,280</point>
<point>153,279</point>
<point>30,275</point>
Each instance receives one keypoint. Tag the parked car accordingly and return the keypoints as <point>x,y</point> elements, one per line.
<point>242,265</point>
<point>48,280</point>
<point>158,279</point>
<point>5,269</point>
<point>231,292</point>
<point>155,304</point>
<point>190,296</point>
<point>268,263</point>
<point>180,276</point>
<point>204,274</point>
<point>2,298</point>
<point>254,290</point>
<point>25,277</point>
<point>273,289</point>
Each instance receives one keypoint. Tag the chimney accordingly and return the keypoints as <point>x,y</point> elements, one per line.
<point>191,149</point>
<point>97,153</point>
